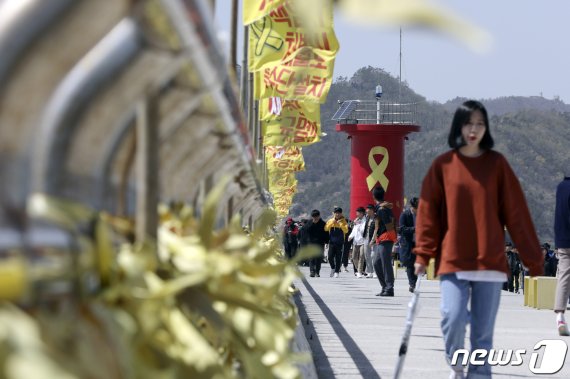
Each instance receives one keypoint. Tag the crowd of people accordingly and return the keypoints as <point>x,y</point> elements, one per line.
<point>469,195</point>
<point>371,242</point>
<point>352,242</point>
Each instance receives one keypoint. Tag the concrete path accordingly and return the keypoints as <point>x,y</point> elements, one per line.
<point>354,334</point>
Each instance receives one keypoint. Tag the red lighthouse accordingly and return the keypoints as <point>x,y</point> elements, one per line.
<point>377,131</point>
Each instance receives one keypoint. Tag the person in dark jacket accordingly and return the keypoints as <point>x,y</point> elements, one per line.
<point>303,237</point>
<point>384,238</point>
<point>316,236</point>
<point>408,241</point>
<point>562,242</point>
<point>550,261</point>
<point>290,241</point>
<point>368,232</point>
<point>515,266</point>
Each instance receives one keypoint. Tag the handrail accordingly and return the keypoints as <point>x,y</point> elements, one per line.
<point>88,77</point>
<point>21,22</point>
<point>204,45</point>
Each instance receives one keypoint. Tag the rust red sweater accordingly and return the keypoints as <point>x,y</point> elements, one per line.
<point>465,205</point>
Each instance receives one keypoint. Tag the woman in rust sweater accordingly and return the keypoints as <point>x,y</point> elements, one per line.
<point>468,197</point>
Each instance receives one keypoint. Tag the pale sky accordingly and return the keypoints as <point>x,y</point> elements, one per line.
<point>530,54</point>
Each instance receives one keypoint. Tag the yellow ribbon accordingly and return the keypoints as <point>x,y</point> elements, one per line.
<point>377,175</point>
<point>13,278</point>
<point>69,214</point>
<point>263,33</point>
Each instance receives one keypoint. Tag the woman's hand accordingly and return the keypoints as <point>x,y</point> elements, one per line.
<point>420,269</point>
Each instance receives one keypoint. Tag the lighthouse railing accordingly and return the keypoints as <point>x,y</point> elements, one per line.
<point>373,112</point>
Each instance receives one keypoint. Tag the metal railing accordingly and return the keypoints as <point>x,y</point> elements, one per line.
<point>374,112</point>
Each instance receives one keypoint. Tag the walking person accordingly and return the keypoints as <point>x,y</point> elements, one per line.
<point>508,283</point>
<point>562,242</point>
<point>337,228</point>
<point>468,195</point>
<point>347,247</point>
<point>357,236</point>
<point>515,268</point>
<point>408,241</point>
<point>316,236</point>
<point>369,226</point>
<point>384,237</point>
<point>303,237</point>
<point>290,241</point>
<point>550,260</point>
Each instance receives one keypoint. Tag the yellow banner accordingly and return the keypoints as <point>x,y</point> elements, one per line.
<point>296,80</point>
<point>280,37</point>
<point>280,158</point>
<point>279,181</point>
<point>282,204</point>
<point>253,10</point>
<point>282,192</point>
<point>294,62</point>
<point>289,122</point>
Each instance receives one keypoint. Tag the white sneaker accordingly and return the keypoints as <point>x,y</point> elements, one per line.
<point>359,275</point>
<point>456,375</point>
<point>374,275</point>
<point>336,274</point>
<point>563,329</point>
<point>332,272</point>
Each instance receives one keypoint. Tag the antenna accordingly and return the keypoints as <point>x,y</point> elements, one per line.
<point>400,82</point>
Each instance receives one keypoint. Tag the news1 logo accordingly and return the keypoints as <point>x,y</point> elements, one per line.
<point>553,356</point>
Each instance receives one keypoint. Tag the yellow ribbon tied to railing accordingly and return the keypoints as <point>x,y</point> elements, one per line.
<point>378,169</point>
<point>68,215</point>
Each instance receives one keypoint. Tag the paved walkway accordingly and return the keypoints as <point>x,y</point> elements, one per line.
<point>354,334</point>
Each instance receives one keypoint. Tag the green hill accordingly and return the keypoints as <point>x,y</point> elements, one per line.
<point>533,134</point>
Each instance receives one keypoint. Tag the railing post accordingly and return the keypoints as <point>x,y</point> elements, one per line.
<point>147,169</point>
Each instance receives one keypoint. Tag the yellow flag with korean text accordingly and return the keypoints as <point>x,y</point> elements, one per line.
<point>281,37</point>
<point>304,80</point>
<point>253,10</point>
<point>281,158</point>
<point>294,62</point>
<point>289,122</point>
<point>280,180</point>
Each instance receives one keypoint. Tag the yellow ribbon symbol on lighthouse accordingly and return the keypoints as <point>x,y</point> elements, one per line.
<point>377,175</point>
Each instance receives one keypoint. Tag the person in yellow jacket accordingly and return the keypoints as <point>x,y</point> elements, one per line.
<point>337,227</point>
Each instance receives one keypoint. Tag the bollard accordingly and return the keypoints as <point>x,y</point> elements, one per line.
<point>545,291</point>
<point>431,270</point>
<point>531,292</point>
<point>526,291</point>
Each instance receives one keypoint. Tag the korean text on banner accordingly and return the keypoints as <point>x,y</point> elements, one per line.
<point>280,37</point>
<point>290,61</point>
<point>281,158</point>
<point>299,79</point>
<point>296,124</point>
<point>279,181</point>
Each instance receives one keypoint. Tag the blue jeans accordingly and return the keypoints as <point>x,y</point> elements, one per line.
<point>485,298</point>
